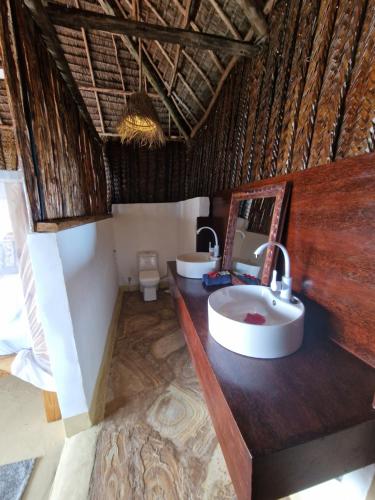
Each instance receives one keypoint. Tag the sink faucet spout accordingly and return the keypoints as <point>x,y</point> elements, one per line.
<point>286,291</point>
<point>216,247</point>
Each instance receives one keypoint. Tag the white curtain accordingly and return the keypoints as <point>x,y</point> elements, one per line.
<point>28,343</point>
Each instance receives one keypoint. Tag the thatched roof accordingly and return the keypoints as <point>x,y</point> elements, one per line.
<point>190,78</point>
<point>105,70</point>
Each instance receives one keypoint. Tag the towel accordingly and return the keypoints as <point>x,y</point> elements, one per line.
<point>248,279</point>
<point>217,278</point>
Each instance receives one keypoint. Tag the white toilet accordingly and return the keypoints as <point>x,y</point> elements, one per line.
<point>149,277</point>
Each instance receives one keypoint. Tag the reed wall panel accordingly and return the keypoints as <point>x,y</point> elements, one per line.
<point>143,175</point>
<point>63,163</point>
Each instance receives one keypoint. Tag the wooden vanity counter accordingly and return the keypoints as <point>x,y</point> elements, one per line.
<point>283,424</point>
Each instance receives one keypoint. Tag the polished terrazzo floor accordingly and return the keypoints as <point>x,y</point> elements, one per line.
<point>157,441</point>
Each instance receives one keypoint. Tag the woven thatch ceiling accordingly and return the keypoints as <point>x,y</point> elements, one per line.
<point>105,71</point>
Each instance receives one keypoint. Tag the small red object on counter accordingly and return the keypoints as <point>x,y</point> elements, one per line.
<point>254,319</point>
<point>250,276</point>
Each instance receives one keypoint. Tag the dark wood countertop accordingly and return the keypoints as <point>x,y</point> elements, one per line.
<point>283,403</point>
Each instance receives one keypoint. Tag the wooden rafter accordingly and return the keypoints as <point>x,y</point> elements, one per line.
<point>256,18</point>
<point>267,8</point>
<point>180,102</point>
<point>87,50</point>
<point>175,69</point>
<point>198,70</point>
<point>113,91</point>
<point>114,41</point>
<point>225,19</point>
<point>77,19</point>
<point>191,91</point>
<point>212,54</point>
<point>193,26</point>
<point>188,17</point>
<point>185,24</point>
<point>148,71</point>
<point>54,48</point>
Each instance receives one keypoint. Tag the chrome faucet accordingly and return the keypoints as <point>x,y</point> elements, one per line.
<point>286,280</point>
<point>216,247</point>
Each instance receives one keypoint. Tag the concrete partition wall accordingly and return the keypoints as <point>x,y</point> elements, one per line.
<point>168,228</point>
<point>76,283</point>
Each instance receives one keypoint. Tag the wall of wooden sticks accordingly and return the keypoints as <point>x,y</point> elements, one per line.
<point>61,158</point>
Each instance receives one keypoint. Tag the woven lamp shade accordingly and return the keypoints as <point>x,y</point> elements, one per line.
<point>140,123</point>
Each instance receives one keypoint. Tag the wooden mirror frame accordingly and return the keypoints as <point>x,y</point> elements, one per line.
<point>281,194</point>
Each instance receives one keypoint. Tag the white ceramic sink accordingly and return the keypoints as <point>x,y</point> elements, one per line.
<point>280,334</point>
<point>194,265</point>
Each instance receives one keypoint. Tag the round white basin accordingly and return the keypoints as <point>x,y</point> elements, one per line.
<point>196,264</point>
<point>253,321</point>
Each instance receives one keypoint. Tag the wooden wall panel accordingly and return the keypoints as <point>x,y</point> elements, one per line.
<point>63,164</point>
<point>330,236</point>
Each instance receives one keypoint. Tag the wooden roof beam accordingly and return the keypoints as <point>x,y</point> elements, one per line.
<point>192,93</point>
<point>199,70</point>
<point>148,71</point>
<point>256,18</point>
<point>54,48</point>
<point>113,91</point>
<point>177,99</point>
<point>185,24</point>
<point>114,41</point>
<point>212,54</point>
<point>157,83</point>
<point>91,70</point>
<point>267,9</point>
<point>179,7</point>
<point>225,19</point>
<point>77,19</point>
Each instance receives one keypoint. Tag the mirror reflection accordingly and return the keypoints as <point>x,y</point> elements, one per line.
<point>256,216</point>
<point>253,228</point>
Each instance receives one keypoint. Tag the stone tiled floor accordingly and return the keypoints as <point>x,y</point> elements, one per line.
<point>157,441</point>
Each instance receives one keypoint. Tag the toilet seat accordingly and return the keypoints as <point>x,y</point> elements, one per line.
<point>149,278</point>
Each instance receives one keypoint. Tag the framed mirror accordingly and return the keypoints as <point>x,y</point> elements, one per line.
<point>255,217</point>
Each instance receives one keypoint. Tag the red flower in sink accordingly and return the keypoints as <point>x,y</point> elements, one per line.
<point>254,319</point>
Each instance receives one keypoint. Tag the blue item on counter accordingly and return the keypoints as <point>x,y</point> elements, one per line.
<point>217,278</point>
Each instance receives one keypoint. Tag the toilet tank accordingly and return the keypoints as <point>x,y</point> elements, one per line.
<point>147,261</point>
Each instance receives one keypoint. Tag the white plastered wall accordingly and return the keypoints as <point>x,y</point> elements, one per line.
<point>168,228</point>
<point>76,282</point>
